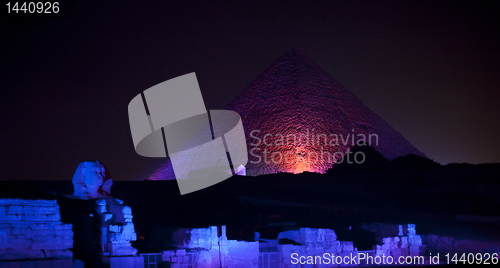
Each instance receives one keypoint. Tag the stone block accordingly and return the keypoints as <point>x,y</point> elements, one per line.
<point>63,231</point>
<point>422,250</point>
<point>386,247</point>
<point>310,234</point>
<point>59,254</point>
<point>52,243</point>
<point>286,250</point>
<point>126,262</point>
<point>19,242</point>
<point>404,242</point>
<point>414,250</point>
<point>315,252</point>
<point>396,253</point>
<point>42,229</point>
<point>287,260</point>
<point>14,210</point>
<point>305,235</point>
<point>122,249</point>
<point>200,238</point>
<point>414,240</point>
<point>29,210</point>
<point>16,254</point>
<point>52,209</point>
<point>115,228</point>
<point>12,217</point>
<point>326,235</point>
<point>411,229</point>
<point>16,230</point>
<point>128,232</point>
<point>332,244</point>
<point>347,246</point>
<point>107,216</point>
<point>378,250</point>
<point>242,254</point>
<point>5,225</point>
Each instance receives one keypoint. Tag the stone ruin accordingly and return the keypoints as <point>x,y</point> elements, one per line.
<point>211,250</point>
<point>402,245</point>
<point>203,247</point>
<point>313,242</point>
<point>32,229</point>
<point>32,232</point>
<point>117,227</point>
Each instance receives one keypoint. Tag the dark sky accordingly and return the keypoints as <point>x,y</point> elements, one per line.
<point>429,68</point>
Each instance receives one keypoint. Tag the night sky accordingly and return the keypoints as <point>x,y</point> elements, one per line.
<point>431,69</point>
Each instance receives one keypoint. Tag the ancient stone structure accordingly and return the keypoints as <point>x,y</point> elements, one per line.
<point>117,227</point>
<point>32,229</point>
<point>402,245</point>
<point>211,250</point>
<point>313,242</point>
<point>298,118</point>
<point>93,181</point>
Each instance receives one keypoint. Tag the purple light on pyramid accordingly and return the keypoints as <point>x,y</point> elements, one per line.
<point>298,118</point>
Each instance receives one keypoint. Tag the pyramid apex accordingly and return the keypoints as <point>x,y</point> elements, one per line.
<point>293,53</point>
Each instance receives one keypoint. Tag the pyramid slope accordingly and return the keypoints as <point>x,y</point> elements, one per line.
<point>295,98</point>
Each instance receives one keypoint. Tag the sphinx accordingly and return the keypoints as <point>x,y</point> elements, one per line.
<point>92,181</point>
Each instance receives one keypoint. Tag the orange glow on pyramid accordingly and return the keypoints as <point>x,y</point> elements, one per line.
<point>298,118</point>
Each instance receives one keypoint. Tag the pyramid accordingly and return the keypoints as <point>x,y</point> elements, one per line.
<point>298,118</point>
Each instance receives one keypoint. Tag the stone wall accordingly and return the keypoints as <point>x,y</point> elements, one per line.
<point>203,248</point>
<point>402,245</point>
<point>32,229</point>
<point>241,254</point>
<point>314,243</point>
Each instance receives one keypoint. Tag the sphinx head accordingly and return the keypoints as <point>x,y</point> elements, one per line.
<point>92,180</point>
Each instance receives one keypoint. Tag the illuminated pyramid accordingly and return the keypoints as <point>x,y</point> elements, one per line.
<point>308,120</point>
